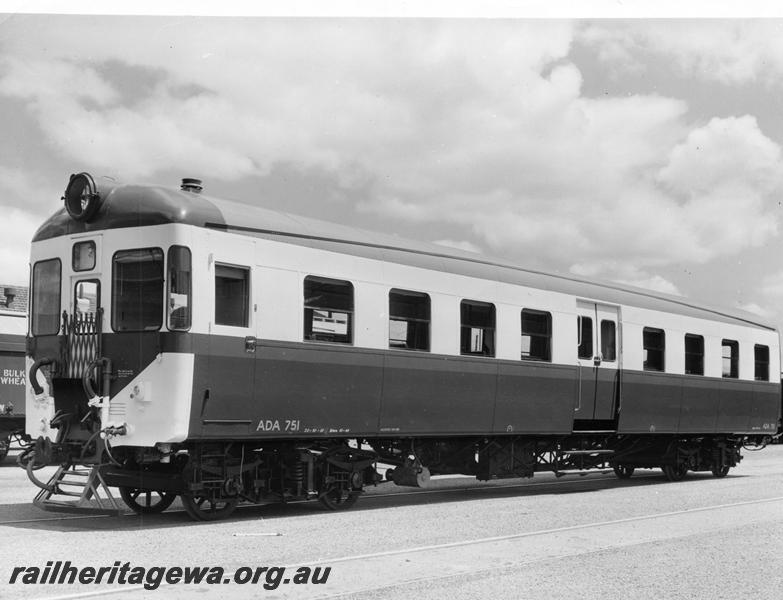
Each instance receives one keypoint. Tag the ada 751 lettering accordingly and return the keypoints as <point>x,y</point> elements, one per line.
<point>275,425</point>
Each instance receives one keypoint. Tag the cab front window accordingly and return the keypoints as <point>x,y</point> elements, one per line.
<point>47,275</point>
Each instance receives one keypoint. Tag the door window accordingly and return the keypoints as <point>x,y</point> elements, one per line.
<point>86,297</point>
<point>608,340</point>
<point>584,326</point>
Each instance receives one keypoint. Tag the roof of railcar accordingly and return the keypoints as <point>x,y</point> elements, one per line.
<point>141,205</point>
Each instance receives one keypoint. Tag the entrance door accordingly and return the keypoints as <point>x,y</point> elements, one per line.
<point>227,408</point>
<point>598,358</point>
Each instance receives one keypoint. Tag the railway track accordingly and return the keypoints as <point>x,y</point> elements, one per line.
<point>373,497</point>
<point>421,569</point>
<point>399,572</point>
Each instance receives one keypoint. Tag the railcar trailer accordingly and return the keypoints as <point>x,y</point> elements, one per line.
<point>185,345</point>
<point>13,328</point>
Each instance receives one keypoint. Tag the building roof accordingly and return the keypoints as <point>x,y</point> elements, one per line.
<point>13,298</point>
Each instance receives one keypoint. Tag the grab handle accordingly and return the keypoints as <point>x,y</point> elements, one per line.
<point>33,374</point>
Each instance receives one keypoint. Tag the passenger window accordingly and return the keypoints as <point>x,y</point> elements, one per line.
<point>730,351</point>
<point>609,340</point>
<point>477,328</point>
<point>761,358</point>
<point>584,330</point>
<point>694,354</point>
<point>409,320</point>
<point>536,335</point>
<point>137,290</point>
<point>328,310</point>
<point>654,342</point>
<point>232,295</point>
<point>179,282</point>
<point>45,305</point>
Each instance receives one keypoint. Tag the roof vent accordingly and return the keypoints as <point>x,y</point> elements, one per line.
<point>191,185</point>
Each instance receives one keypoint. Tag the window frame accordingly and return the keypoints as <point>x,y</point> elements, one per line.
<point>189,294</point>
<point>88,243</point>
<point>602,340</point>
<point>33,290</point>
<point>246,305</point>
<point>583,351</point>
<point>733,359</point>
<point>756,362</point>
<point>97,295</point>
<point>647,349</point>
<point>547,335</point>
<point>408,320</point>
<point>687,353</point>
<point>463,326</point>
<point>113,302</point>
<point>350,312</point>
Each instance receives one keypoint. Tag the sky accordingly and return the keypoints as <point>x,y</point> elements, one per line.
<point>640,150</point>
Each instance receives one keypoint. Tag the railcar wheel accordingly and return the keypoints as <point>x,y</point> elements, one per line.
<point>623,471</point>
<point>675,472</point>
<point>721,471</point>
<point>146,502</point>
<point>204,508</point>
<point>337,498</point>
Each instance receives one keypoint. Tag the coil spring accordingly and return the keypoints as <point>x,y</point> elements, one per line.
<point>298,476</point>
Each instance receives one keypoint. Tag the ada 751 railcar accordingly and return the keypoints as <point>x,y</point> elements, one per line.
<point>185,345</point>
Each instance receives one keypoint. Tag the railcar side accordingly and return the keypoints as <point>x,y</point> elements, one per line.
<point>191,346</point>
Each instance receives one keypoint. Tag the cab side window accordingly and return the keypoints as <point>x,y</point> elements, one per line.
<point>232,295</point>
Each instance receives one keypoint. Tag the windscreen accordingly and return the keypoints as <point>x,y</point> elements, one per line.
<point>46,297</point>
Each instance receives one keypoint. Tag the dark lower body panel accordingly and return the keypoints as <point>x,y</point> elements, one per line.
<point>311,390</point>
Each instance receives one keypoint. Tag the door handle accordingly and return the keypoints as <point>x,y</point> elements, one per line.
<point>597,360</point>
<point>250,344</point>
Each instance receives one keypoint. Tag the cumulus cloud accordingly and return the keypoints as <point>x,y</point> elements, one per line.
<point>722,153</point>
<point>311,92</point>
<point>732,51</point>
<point>479,125</point>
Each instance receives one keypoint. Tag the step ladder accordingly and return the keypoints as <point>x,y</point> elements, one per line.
<point>85,484</point>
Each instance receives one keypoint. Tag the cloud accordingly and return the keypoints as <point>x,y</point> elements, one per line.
<point>19,189</point>
<point>736,51</point>
<point>627,275</point>
<point>756,310</point>
<point>478,127</point>
<point>769,299</point>
<point>722,153</point>
<point>772,286</point>
<point>18,229</point>
<point>267,90</point>
<point>459,245</point>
